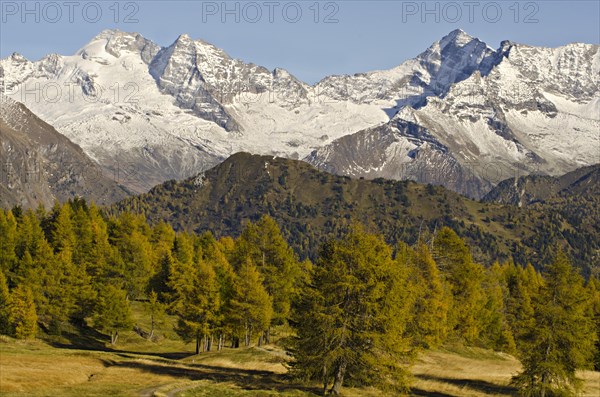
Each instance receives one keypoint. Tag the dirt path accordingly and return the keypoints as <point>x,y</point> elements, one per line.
<point>150,392</point>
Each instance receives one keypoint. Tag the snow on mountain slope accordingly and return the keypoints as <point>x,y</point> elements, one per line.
<point>175,111</point>
<point>39,165</point>
<point>454,58</point>
<point>537,110</point>
<point>168,113</point>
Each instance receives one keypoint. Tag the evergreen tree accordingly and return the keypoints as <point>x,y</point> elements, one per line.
<point>594,294</point>
<point>131,235</point>
<point>496,332</point>
<point>214,252</point>
<point>465,277</point>
<point>8,240</point>
<point>351,321</point>
<point>100,253</point>
<point>429,323</point>
<point>263,243</point>
<point>562,337</point>
<point>519,302</point>
<point>196,302</point>
<point>112,312</point>
<point>5,328</point>
<point>62,230</point>
<point>163,238</point>
<point>251,307</point>
<point>22,315</point>
<point>159,283</point>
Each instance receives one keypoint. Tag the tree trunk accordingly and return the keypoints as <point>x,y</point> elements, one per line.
<point>544,375</point>
<point>197,343</point>
<point>325,379</point>
<point>338,379</point>
<point>151,327</point>
<point>268,336</point>
<point>114,335</point>
<point>220,346</point>
<point>543,391</point>
<point>247,336</point>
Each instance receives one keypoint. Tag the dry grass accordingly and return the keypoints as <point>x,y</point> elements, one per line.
<point>472,372</point>
<point>466,372</point>
<point>268,358</point>
<point>592,383</point>
<point>34,368</point>
<point>25,367</point>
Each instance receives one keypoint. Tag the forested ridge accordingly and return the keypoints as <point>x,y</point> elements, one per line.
<point>312,206</point>
<point>360,311</point>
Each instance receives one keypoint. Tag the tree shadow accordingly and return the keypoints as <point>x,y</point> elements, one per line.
<point>90,339</point>
<point>478,385</point>
<point>424,393</point>
<point>86,338</point>
<point>246,379</point>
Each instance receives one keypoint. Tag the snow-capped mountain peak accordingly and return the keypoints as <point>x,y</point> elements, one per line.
<point>173,111</point>
<point>16,57</point>
<point>110,44</point>
<point>457,37</point>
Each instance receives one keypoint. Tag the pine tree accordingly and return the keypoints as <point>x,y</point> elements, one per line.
<point>519,302</point>
<point>8,241</point>
<point>432,299</point>
<point>251,308</point>
<point>465,277</point>
<point>112,312</point>
<point>351,320</point>
<point>163,237</point>
<point>213,252</point>
<point>562,337</point>
<point>131,235</point>
<point>62,230</point>
<point>159,283</point>
<point>496,332</point>
<point>196,302</point>
<point>99,254</point>
<point>5,328</point>
<point>263,243</point>
<point>183,249</point>
<point>593,288</point>
<point>22,315</point>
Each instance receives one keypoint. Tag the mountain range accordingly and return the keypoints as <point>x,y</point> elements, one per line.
<point>461,114</point>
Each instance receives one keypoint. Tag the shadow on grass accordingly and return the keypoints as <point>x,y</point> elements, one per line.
<point>246,379</point>
<point>478,385</point>
<point>89,339</point>
<point>425,393</point>
<point>85,338</point>
<point>165,363</point>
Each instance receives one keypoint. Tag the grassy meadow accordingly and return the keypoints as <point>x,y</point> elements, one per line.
<point>82,363</point>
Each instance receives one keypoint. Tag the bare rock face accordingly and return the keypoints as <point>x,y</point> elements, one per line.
<point>39,165</point>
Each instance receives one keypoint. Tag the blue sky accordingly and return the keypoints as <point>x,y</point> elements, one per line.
<point>308,38</point>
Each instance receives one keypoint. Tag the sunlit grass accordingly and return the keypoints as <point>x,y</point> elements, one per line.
<point>138,367</point>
